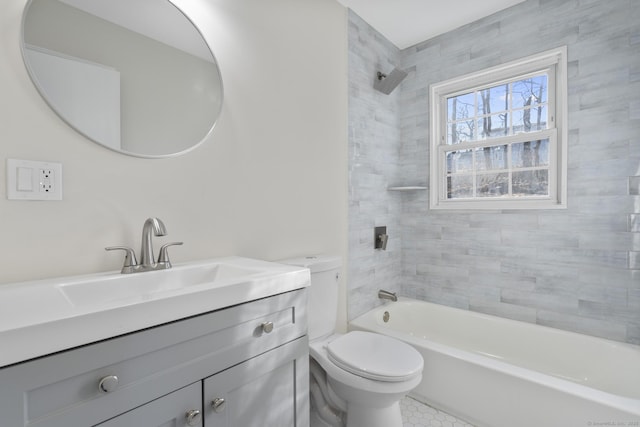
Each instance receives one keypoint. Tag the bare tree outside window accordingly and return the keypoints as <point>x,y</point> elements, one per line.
<point>515,107</point>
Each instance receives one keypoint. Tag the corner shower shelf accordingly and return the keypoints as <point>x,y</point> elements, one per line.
<point>407,188</point>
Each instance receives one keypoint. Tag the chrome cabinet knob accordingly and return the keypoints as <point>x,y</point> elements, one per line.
<point>267,327</point>
<point>193,417</point>
<point>108,384</point>
<point>218,404</point>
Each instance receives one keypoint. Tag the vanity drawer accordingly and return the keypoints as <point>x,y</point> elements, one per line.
<point>62,390</point>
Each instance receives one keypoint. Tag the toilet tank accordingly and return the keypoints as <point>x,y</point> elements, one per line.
<point>322,305</point>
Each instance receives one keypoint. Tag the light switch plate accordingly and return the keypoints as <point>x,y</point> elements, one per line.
<point>31,180</point>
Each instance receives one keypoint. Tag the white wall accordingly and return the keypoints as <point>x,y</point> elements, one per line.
<point>270,182</point>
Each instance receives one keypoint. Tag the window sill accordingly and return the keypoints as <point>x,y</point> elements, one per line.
<point>494,205</point>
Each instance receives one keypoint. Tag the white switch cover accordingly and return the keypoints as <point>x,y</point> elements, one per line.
<point>29,180</point>
<point>25,179</point>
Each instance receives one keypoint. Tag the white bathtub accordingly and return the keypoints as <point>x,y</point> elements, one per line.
<point>495,372</point>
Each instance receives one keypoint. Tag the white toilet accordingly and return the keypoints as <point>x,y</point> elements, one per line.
<point>357,378</point>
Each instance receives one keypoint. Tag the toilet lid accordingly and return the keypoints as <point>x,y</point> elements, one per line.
<point>374,356</point>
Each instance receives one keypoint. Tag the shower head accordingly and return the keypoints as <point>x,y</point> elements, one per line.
<point>387,83</point>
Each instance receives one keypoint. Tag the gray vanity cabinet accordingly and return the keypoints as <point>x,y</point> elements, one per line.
<point>253,355</point>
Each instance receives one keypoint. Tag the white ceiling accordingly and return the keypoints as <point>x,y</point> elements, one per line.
<point>408,22</point>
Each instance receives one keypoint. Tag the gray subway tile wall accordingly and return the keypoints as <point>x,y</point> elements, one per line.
<point>374,150</point>
<point>576,269</point>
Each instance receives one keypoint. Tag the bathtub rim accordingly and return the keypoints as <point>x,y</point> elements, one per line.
<point>623,403</point>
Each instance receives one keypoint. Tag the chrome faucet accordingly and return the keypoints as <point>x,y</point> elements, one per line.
<point>391,296</point>
<point>147,259</point>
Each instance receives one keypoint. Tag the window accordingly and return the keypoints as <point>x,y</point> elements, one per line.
<point>499,137</point>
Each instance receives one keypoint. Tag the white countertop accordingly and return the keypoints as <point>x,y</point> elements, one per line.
<point>36,318</point>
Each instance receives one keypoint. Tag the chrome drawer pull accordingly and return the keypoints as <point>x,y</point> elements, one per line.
<point>108,384</point>
<point>193,417</point>
<point>218,404</point>
<point>267,327</point>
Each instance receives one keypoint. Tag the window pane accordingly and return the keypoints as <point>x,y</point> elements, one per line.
<point>459,161</point>
<point>460,132</point>
<point>531,183</point>
<point>493,100</point>
<point>529,91</point>
<point>491,158</point>
<point>459,186</point>
<point>461,107</point>
<point>493,126</point>
<point>492,185</point>
<point>530,154</point>
<point>530,119</point>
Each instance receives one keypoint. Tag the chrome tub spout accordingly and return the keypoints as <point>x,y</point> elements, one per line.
<point>391,296</point>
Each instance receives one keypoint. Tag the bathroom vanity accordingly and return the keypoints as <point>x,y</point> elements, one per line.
<point>242,362</point>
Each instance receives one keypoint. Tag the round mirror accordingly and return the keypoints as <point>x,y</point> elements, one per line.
<point>133,75</point>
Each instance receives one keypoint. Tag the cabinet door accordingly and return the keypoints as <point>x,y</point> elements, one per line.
<point>270,390</point>
<point>181,408</point>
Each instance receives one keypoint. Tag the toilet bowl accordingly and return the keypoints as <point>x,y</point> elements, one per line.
<point>367,374</point>
<point>357,378</point>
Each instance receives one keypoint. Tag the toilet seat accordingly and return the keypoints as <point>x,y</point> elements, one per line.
<point>374,356</point>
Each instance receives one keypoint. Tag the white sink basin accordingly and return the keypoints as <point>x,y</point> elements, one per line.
<point>150,284</point>
<point>46,316</point>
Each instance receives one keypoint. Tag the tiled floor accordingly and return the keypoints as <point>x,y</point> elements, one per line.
<point>416,414</point>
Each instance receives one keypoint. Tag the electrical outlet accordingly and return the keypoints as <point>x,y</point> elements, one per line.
<point>29,180</point>
<point>47,180</point>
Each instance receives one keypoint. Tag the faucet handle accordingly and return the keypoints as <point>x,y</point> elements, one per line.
<point>130,260</point>
<point>163,256</point>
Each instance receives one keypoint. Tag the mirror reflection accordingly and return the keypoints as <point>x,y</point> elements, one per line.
<point>133,75</point>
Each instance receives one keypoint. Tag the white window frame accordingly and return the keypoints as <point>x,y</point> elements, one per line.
<point>555,63</point>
